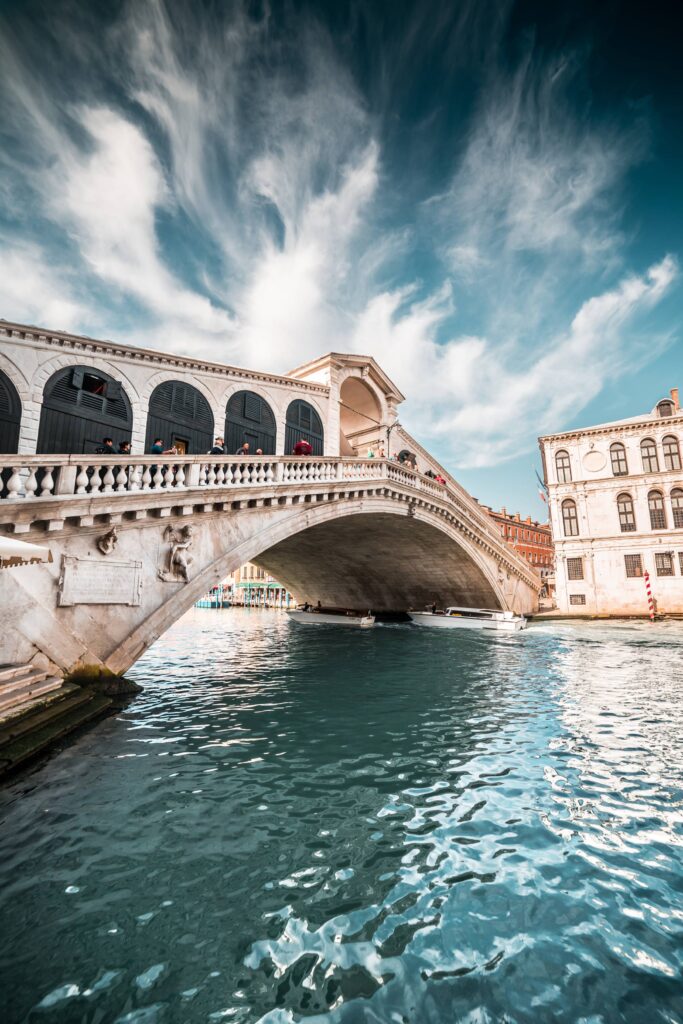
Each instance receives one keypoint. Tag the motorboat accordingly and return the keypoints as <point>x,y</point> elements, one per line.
<point>470,618</point>
<point>315,617</point>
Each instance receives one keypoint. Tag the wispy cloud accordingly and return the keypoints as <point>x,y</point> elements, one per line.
<point>214,181</point>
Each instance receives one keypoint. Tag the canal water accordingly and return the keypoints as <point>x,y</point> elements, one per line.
<point>397,825</point>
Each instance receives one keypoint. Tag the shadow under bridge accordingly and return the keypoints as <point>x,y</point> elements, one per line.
<point>382,561</point>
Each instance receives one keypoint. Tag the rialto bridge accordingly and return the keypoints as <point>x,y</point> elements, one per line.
<point>136,540</point>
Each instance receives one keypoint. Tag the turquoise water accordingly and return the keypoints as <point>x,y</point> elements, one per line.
<point>385,826</point>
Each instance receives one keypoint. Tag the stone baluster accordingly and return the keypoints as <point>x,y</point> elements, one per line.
<point>180,476</point>
<point>82,480</point>
<point>134,478</point>
<point>158,478</point>
<point>95,482</point>
<point>260,473</point>
<point>122,479</point>
<point>48,482</point>
<point>269,475</point>
<point>31,483</point>
<point>169,475</point>
<point>244,475</point>
<point>279,472</point>
<point>220,476</point>
<point>14,484</point>
<point>211,476</point>
<point>146,478</point>
<point>108,480</point>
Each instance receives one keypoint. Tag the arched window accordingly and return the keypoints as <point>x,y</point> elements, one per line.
<point>655,503</point>
<point>81,406</point>
<point>627,519</point>
<point>677,506</point>
<point>665,408</point>
<point>303,423</point>
<point>564,467</point>
<point>648,451</point>
<point>617,454</point>
<point>570,520</point>
<point>10,416</point>
<point>181,416</point>
<point>249,418</point>
<point>672,452</point>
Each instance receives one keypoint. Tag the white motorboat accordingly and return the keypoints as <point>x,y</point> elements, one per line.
<point>471,618</point>
<point>320,618</point>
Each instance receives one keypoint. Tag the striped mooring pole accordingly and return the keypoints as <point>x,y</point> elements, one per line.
<point>650,599</point>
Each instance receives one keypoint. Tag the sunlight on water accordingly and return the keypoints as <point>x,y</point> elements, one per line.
<point>384,826</point>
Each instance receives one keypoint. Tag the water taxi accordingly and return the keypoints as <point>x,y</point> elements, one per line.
<point>313,617</point>
<point>470,618</point>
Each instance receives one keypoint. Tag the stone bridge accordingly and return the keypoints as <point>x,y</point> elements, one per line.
<point>135,544</point>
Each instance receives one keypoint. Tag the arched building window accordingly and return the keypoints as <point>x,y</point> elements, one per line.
<point>677,506</point>
<point>617,454</point>
<point>81,406</point>
<point>180,415</point>
<point>303,423</point>
<point>655,503</point>
<point>570,519</point>
<point>672,452</point>
<point>627,518</point>
<point>10,416</point>
<point>564,467</point>
<point>249,419</point>
<point>648,451</point>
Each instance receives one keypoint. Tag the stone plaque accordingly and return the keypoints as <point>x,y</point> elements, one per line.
<point>86,581</point>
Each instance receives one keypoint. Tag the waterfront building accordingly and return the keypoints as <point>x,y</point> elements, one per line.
<point>253,587</point>
<point>615,493</point>
<point>533,540</point>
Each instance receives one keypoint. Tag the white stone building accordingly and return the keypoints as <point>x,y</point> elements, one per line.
<point>615,495</point>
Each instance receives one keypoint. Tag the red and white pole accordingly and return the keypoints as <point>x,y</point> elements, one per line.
<point>650,599</point>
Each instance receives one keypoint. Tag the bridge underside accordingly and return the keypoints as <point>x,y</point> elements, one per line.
<point>379,561</point>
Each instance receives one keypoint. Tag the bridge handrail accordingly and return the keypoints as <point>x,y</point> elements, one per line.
<point>35,478</point>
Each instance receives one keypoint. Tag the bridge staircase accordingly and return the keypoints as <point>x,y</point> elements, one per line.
<point>37,709</point>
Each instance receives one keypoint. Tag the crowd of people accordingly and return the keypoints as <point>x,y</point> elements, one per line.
<point>301,448</point>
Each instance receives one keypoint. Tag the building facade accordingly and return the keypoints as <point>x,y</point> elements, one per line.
<point>615,493</point>
<point>533,540</point>
<point>253,587</point>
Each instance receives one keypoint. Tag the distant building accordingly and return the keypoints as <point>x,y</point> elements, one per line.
<point>533,540</point>
<point>253,587</point>
<point>615,493</point>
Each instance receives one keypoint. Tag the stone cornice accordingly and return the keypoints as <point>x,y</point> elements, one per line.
<point>606,429</point>
<point>62,340</point>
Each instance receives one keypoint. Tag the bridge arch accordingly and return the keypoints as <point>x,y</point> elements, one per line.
<point>81,405</point>
<point>372,552</point>
<point>10,415</point>
<point>302,420</point>
<point>361,415</point>
<point>179,413</point>
<point>249,417</point>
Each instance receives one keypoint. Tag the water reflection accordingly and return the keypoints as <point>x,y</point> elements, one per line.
<point>386,826</point>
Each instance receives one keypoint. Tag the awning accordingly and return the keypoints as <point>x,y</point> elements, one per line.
<point>18,552</point>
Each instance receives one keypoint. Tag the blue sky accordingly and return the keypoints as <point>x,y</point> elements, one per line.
<point>484,196</point>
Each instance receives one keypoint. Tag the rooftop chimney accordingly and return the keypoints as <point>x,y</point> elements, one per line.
<point>503,511</point>
<point>674,398</point>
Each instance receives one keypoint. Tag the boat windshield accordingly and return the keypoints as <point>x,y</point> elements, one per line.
<point>471,613</point>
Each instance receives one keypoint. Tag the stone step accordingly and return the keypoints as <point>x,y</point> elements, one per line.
<point>34,685</point>
<point>44,721</point>
<point>10,673</point>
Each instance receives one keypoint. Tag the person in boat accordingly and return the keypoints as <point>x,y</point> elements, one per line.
<point>434,608</point>
<point>307,607</point>
<point>319,607</point>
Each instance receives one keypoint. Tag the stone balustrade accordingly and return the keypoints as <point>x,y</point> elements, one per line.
<point>34,477</point>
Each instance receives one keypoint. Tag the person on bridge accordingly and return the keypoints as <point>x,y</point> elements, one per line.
<point>302,447</point>
<point>107,447</point>
<point>218,448</point>
<point>124,447</point>
<point>243,449</point>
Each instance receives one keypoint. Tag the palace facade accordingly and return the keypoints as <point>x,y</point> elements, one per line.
<point>615,494</point>
<point>533,540</point>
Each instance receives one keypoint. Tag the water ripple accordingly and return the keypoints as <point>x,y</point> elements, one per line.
<point>296,825</point>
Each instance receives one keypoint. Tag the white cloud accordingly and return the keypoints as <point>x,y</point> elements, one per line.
<point>32,290</point>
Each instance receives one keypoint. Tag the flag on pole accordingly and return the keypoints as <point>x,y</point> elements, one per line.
<point>542,488</point>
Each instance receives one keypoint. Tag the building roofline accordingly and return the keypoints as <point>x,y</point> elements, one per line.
<point>352,359</point>
<point>607,428</point>
<point>32,332</point>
